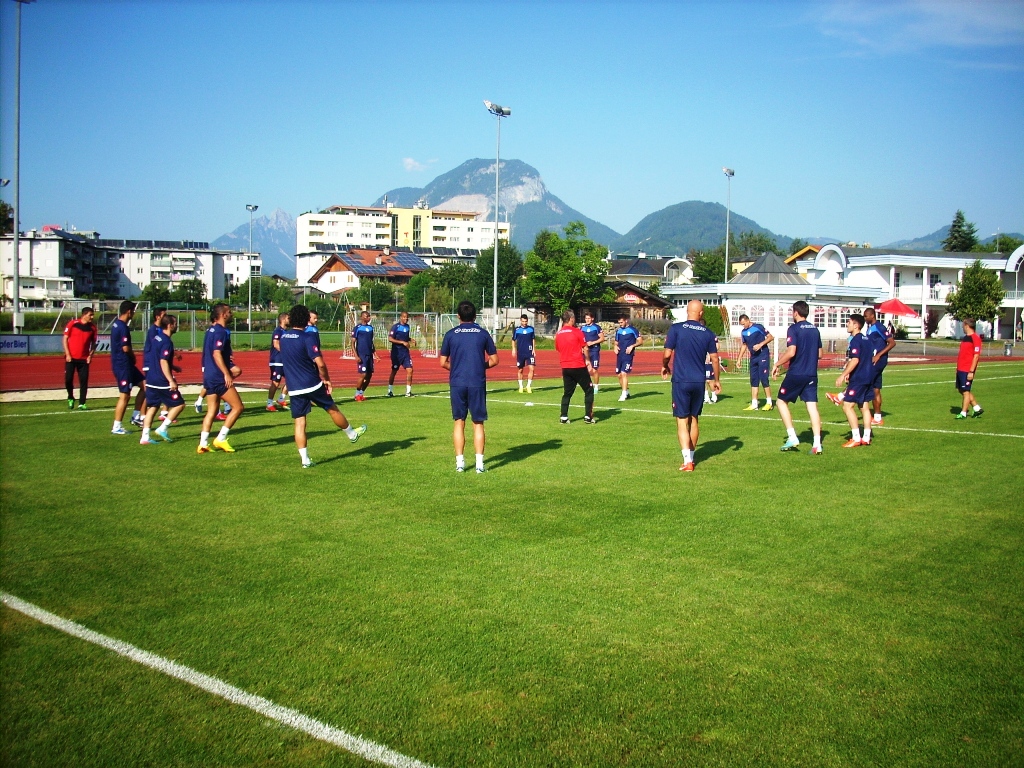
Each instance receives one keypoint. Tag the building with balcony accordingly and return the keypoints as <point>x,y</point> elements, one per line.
<point>345,270</point>
<point>643,272</point>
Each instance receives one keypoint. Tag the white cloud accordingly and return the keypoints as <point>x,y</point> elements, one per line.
<point>413,166</point>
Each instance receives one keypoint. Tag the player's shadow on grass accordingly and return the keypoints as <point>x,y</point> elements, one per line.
<point>254,427</point>
<point>649,393</point>
<point>285,439</point>
<point>715,447</point>
<point>383,448</point>
<point>521,452</point>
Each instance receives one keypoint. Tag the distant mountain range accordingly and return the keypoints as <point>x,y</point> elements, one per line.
<point>273,237</point>
<point>933,242</point>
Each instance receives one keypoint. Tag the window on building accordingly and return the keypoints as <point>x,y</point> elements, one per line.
<point>934,279</point>
<point>897,281</point>
<point>416,233</point>
<point>833,317</point>
<point>757,313</point>
<point>469,229</point>
<point>439,228</point>
<point>737,310</point>
<point>819,317</point>
<point>317,233</point>
<point>313,223</point>
<point>394,230</point>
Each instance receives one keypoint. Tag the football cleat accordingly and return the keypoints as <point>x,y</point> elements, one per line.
<point>162,434</point>
<point>816,450</point>
<point>686,467</point>
<point>199,407</point>
<point>308,464</point>
<point>961,416</point>
<point>529,390</point>
<point>790,444</point>
<point>589,420</point>
<point>203,449</point>
<point>877,423</point>
<point>978,413</point>
<point>408,394</point>
<point>751,408</point>
<point>223,445</point>
<point>460,469</point>
<point>480,470</point>
<point>360,431</point>
<point>283,403</point>
<point>834,399</point>
<point>138,422</point>
<point>120,431</point>
<point>221,417</point>
<point>865,442</point>
<point>563,419</point>
<point>768,407</point>
<point>623,397</point>
<point>272,408</point>
<point>71,404</point>
<point>83,407</point>
<point>520,390</point>
<point>148,442</point>
<point>851,443</point>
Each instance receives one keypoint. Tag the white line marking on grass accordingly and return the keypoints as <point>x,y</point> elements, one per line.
<point>55,413</point>
<point>370,750</point>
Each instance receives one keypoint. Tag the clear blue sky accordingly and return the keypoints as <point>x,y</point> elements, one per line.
<point>856,120</point>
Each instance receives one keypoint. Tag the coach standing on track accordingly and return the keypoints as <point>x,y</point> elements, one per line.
<point>687,347</point>
<point>79,344</point>
<point>576,368</point>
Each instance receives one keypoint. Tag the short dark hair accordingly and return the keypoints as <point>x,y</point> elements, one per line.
<point>85,311</point>
<point>624,317</point>
<point>969,322</point>
<point>744,317</point>
<point>524,317</point>
<point>157,312</point>
<point>217,311</point>
<point>467,311</point>
<point>283,314</point>
<point>801,308</point>
<point>568,316</point>
<point>871,310</point>
<point>298,316</point>
<point>588,313</point>
<point>167,321</point>
<point>858,319</point>
<point>126,306</point>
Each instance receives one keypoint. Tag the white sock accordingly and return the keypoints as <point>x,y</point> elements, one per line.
<point>977,408</point>
<point>963,413</point>
<point>223,434</point>
<point>460,462</point>
<point>529,382</point>
<point>136,415</point>
<point>270,401</point>
<point>349,431</point>
<point>753,403</point>
<point>792,434</point>
<point>166,420</point>
<point>408,389</point>
<point>390,389</point>
<point>867,434</point>
<point>595,387</point>
<point>204,439</point>
<point>199,401</point>
<point>520,385</point>
<point>714,397</point>
<point>876,418</point>
<point>117,425</point>
<point>767,402</point>
<point>145,434</point>
<point>856,433</point>
<point>479,461</point>
<point>304,455</point>
<point>817,441</point>
<point>687,456</point>
<point>280,398</point>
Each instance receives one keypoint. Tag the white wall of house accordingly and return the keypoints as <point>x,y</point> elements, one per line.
<point>332,282</point>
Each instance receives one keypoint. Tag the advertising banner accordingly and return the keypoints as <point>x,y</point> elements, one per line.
<point>14,345</point>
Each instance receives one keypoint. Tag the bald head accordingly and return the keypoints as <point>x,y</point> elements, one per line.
<point>694,310</point>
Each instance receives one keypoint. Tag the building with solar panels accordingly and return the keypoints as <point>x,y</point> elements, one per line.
<point>344,270</point>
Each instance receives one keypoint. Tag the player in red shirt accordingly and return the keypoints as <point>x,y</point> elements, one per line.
<point>966,365</point>
<point>79,344</point>
<point>576,368</point>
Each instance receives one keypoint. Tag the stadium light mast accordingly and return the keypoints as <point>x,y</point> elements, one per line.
<point>251,209</point>
<point>499,112</point>
<point>729,173</point>
<point>16,316</point>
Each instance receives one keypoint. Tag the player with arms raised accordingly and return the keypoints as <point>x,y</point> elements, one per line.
<point>803,348</point>
<point>400,337</point>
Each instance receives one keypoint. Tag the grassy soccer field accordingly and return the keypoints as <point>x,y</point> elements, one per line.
<point>582,603</point>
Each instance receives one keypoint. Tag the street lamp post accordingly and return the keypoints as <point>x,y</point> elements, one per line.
<point>16,315</point>
<point>729,173</point>
<point>499,112</point>
<point>251,209</point>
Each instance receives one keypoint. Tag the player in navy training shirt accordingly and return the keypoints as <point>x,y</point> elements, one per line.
<point>161,386</point>
<point>524,345</point>
<point>126,372</point>
<point>152,332</point>
<point>276,369</point>
<point>466,353</point>
<point>882,342</point>
<point>219,374</point>
<point>627,339</point>
<point>309,383</point>
<point>594,335</point>
<point>687,346</point>
<point>858,376</point>
<point>365,352</point>
<point>755,344</point>
<point>803,348</point>
<point>401,340</point>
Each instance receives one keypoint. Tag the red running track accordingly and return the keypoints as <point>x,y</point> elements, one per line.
<point>47,371</point>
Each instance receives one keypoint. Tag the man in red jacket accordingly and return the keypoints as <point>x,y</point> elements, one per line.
<point>576,369</point>
<point>79,344</point>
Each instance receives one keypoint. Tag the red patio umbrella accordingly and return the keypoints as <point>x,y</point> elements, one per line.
<point>896,307</point>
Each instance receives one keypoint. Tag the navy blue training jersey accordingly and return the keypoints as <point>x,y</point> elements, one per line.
<point>160,348</point>
<point>879,336</point>
<point>625,337</point>
<point>807,340</point>
<point>591,331</point>
<point>860,348</point>
<point>216,339</point>
<point>467,347</point>
<point>298,351</point>
<point>275,356</point>
<point>692,342</point>
<point>120,337</point>
<point>400,332</point>
<point>363,334</point>
<point>752,336</point>
<point>524,338</point>
<point>151,333</point>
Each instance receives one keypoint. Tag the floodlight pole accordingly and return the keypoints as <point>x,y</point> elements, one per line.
<point>17,321</point>
<point>499,112</point>
<point>729,173</point>
<point>251,209</point>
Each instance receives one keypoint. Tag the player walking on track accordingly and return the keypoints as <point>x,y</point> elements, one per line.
<point>966,365</point>
<point>467,351</point>
<point>687,346</point>
<point>161,386</point>
<point>755,340</point>
<point>524,345</point>
<point>594,335</point>
<point>309,383</point>
<point>400,337</point>
<point>79,344</point>
<point>803,348</point>
<point>576,368</point>
<point>122,362</point>
<point>365,352</point>
<point>219,374</point>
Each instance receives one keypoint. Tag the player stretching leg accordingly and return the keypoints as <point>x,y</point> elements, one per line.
<point>308,380</point>
<point>466,353</point>
<point>966,365</point>
<point>860,374</point>
<point>122,361</point>
<point>803,348</point>
<point>276,375</point>
<point>401,342</point>
<point>755,344</point>
<point>219,374</point>
<point>365,352</point>
<point>161,386</point>
<point>595,338</point>
<point>627,339</point>
<point>524,345</point>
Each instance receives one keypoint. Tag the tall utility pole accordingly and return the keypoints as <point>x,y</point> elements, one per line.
<point>18,317</point>
<point>729,173</point>
<point>251,209</point>
<point>499,112</point>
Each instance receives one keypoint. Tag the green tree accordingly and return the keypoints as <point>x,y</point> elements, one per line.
<point>962,235</point>
<point>510,270</point>
<point>566,272</point>
<point>416,290</point>
<point>439,299</point>
<point>457,282</point>
<point>753,244</point>
<point>155,294</point>
<point>1002,244</point>
<point>977,296</point>
<point>283,298</point>
<point>379,294</point>
<point>797,245</point>
<point>190,291</point>
<point>6,218</point>
<point>708,266</point>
